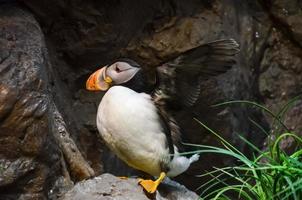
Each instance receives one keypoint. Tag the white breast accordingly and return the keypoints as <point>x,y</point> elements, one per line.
<point>128,122</point>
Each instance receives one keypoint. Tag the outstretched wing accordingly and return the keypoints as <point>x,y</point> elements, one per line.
<point>179,80</point>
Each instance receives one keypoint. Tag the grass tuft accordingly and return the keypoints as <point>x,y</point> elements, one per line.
<point>270,174</point>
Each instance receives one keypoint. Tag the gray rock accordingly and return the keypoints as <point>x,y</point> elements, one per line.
<point>109,187</point>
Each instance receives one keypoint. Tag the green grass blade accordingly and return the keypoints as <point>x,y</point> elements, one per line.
<point>219,137</point>
<point>290,184</point>
<point>297,184</point>
<point>275,149</point>
<point>235,188</point>
<point>256,105</point>
<point>250,144</point>
<point>285,107</point>
<point>259,127</point>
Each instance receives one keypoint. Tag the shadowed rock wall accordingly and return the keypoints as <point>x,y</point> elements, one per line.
<point>28,154</point>
<point>47,119</point>
<point>33,135</point>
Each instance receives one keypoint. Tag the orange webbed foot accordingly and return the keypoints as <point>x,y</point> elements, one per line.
<point>151,186</point>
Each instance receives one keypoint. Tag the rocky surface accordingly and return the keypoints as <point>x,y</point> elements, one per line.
<point>280,77</point>
<point>108,187</point>
<point>48,137</point>
<point>28,154</point>
<point>32,137</point>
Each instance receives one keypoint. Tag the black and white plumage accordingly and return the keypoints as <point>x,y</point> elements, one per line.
<point>135,121</point>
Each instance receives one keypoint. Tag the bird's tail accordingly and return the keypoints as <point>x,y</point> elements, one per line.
<point>180,164</point>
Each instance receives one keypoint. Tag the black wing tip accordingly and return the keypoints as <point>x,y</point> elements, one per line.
<point>226,41</point>
<point>226,44</point>
<point>234,44</point>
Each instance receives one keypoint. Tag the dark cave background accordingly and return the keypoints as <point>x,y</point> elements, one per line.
<point>48,136</point>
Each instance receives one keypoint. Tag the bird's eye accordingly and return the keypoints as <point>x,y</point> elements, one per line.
<point>118,70</point>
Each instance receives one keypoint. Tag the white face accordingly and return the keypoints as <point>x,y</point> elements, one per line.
<point>115,74</point>
<point>120,72</point>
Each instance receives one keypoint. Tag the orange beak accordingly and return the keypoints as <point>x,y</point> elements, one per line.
<point>98,81</point>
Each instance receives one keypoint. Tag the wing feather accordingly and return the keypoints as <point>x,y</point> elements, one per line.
<point>179,79</point>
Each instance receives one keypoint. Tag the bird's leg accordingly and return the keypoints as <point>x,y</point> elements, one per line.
<point>151,186</point>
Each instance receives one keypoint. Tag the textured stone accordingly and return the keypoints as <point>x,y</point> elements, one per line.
<point>107,187</point>
<point>78,166</point>
<point>30,158</point>
<point>288,17</point>
<point>25,141</point>
<point>281,79</point>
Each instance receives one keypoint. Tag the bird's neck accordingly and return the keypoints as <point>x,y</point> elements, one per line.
<point>139,83</point>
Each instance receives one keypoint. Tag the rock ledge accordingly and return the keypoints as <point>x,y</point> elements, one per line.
<point>108,187</point>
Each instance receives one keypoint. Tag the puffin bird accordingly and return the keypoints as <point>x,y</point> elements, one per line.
<point>135,120</point>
